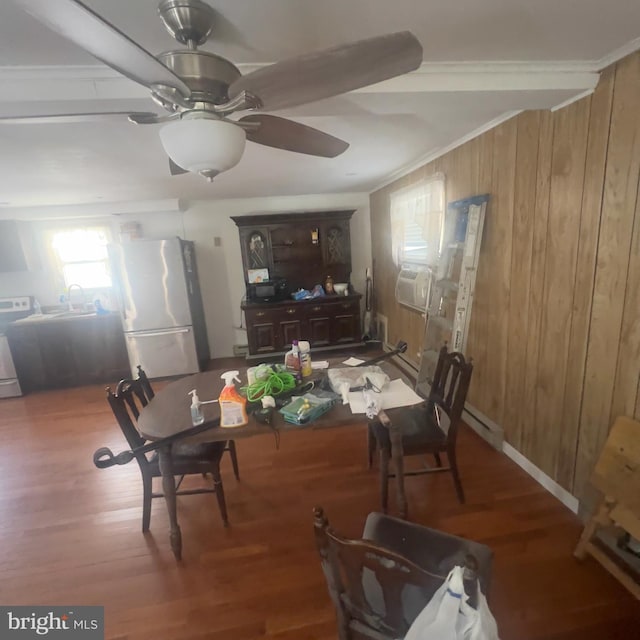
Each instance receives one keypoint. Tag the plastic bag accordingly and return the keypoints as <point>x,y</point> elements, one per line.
<point>448,616</point>
<point>485,626</point>
<point>342,380</point>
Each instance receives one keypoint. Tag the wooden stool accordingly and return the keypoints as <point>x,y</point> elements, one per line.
<point>617,477</point>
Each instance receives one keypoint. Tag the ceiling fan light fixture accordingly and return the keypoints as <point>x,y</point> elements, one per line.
<point>202,144</point>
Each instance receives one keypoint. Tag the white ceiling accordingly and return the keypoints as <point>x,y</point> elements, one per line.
<point>389,126</point>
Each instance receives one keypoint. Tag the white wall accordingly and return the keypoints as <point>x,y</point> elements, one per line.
<point>220,267</point>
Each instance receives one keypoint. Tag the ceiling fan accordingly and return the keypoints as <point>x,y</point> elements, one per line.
<point>200,90</point>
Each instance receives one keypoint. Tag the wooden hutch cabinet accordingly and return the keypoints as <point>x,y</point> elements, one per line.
<point>303,249</point>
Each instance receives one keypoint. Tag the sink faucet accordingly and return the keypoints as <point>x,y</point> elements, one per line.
<point>71,286</point>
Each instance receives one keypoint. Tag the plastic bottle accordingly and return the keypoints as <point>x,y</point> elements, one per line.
<point>292,360</point>
<point>328,286</point>
<point>197,417</point>
<point>305,358</point>
<point>233,411</point>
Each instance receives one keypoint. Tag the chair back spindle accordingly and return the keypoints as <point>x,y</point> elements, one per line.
<point>451,381</point>
<point>126,403</point>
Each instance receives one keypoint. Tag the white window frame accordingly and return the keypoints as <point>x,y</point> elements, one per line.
<point>60,263</point>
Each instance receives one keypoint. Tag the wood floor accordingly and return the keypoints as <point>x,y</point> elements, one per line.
<point>70,534</point>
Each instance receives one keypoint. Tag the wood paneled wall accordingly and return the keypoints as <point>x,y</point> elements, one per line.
<point>555,327</point>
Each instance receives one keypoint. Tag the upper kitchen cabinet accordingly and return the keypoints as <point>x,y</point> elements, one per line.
<point>17,247</point>
<point>303,248</point>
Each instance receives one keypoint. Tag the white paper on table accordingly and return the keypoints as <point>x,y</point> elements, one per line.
<point>353,362</point>
<point>319,364</point>
<point>396,394</point>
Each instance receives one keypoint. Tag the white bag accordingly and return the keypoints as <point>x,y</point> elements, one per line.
<point>485,626</point>
<point>448,616</point>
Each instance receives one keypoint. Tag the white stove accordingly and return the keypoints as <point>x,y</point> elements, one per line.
<point>11,309</point>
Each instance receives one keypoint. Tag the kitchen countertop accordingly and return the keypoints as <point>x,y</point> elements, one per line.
<point>60,316</point>
<point>353,295</point>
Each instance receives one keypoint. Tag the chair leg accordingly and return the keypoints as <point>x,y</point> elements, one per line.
<point>146,501</point>
<point>436,455</point>
<point>222,505</point>
<point>371,446</point>
<point>384,478</point>
<point>234,458</point>
<point>451,454</point>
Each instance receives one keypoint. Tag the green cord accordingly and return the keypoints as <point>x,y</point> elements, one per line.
<point>273,385</point>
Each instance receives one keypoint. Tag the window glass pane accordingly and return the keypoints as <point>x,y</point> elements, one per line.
<point>89,275</point>
<point>416,216</point>
<point>415,246</point>
<point>77,245</point>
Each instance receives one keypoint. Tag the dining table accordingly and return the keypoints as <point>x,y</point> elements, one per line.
<point>168,414</point>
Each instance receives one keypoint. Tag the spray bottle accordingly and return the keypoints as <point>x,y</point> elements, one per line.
<point>197,417</point>
<point>233,412</point>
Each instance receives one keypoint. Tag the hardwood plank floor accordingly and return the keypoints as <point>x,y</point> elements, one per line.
<point>70,533</point>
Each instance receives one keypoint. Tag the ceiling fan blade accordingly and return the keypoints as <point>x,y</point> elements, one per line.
<point>327,73</point>
<point>293,136</point>
<point>82,26</point>
<point>74,118</point>
<point>174,169</point>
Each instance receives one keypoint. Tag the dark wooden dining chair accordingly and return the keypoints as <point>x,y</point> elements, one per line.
<point>379,584</point>
<point>427,428</point>
<point>187,459</point>
<point>148,392</point>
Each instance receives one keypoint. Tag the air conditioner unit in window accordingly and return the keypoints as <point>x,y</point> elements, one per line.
<point>412,287</point>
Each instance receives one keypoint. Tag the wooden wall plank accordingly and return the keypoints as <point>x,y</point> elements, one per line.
<point>479,329</point>
<point>625,390</point>
<point>515,421</point>
<point>497,243</point>
<point>597,144</point>
<point>528,436</point>
<point>567,180</point>
<point>620,192</point>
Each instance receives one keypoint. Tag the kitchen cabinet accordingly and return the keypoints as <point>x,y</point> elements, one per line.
<point>53,353</point>
<point>302,248</point>
<point>325,322</point>
<point>17,247</point>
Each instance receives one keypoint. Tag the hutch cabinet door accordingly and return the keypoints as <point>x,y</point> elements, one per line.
<point>290,325</point>
<point>346,322</point>
<point>318,326</point>
<point>256,250</point>
<point>262,337</point>
<point>290,330</point>
<point>336,243</point>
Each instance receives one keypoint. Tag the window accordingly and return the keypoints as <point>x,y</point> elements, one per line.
<point>417,215</point>
<point>82,256</point>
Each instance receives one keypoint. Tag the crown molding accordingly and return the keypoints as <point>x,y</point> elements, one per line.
<point>571,100</point>
<point>490,76</point>
<point>90,210</point>
<point>99,82</point>
<point>93,82</point>
<point>434,154</point>
<point>617,54</point>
